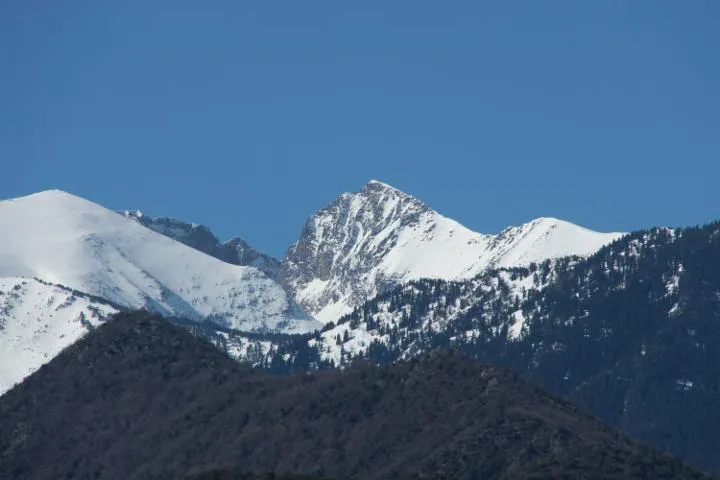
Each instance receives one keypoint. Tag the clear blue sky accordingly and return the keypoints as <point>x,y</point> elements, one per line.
<point>249,116</point>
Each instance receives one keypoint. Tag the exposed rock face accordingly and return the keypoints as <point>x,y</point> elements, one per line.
<point>367,242</point>
<point>241,253</point>
<point>236,250</point>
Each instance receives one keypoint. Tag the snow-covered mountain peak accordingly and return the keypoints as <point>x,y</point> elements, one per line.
<point>366,242</point>
<point>375,181</point>
<point>64,239</point>
<point>379,203</point>
<point>377,196</point>
<point>51,193</point>
<point>35,228</point>
<point>378,186</point>
<point>544,238</point>
<point>57,197</point>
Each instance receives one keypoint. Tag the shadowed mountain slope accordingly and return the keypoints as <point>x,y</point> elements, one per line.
<point>140,398</point>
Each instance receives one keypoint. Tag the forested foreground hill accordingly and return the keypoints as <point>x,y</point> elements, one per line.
<point>140,398</point>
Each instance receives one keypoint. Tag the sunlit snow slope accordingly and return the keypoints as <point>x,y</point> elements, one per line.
<point>67,240</point>
<point>37,321</point>
<point>367,242</point>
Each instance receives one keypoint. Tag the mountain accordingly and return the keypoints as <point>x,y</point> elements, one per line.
<point>38,320</point>
<point>139,398</point>
<point>66,240</point>
<point>629,333</point>
<point>368,242</point>
<point>199,237</point>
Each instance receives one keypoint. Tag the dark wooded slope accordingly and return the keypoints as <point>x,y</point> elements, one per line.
<point>140,398</point>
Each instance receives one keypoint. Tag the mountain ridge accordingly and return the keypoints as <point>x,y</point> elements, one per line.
<point>235,250</point>
<point>64,239</point>
<point>134,261</point>
<point>367,242</point>
<point>381,237</point>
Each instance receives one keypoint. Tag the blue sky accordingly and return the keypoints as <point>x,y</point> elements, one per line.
<point>249,116</point>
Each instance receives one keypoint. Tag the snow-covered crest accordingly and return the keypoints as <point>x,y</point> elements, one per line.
<point>67,240</point>
<point>369,241</point>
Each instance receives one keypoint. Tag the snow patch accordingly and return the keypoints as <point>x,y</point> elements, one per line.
<point>37,321</point>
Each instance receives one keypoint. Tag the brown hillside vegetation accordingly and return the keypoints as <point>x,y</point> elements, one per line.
<point>140,398</point>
